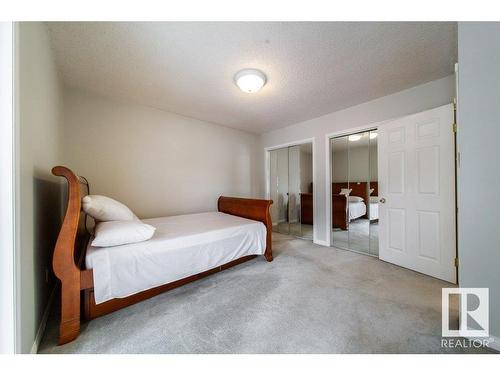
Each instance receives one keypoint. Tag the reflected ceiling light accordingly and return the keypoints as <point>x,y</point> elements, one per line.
<point>354,137</point>
<point>373,135</point>
<point>250,80</point>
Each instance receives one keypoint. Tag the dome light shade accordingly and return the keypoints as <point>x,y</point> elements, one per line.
<point>373,135</point>
<point>250,80</point>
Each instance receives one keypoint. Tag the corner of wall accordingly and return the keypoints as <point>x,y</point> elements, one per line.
<point>39,113</point>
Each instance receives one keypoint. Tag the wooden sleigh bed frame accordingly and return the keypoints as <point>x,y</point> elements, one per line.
<point>77,293</point>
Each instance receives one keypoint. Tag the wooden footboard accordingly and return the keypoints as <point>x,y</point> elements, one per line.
<point>254,209</point>
<point>339,211</point>
<point>77,282</point>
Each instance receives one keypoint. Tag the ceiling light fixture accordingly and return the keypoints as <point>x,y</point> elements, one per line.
<point>250,80</point>
<point>354,137</point>
<point>373,135</point>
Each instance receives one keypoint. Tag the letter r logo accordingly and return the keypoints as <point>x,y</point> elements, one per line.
<point>473,310</point>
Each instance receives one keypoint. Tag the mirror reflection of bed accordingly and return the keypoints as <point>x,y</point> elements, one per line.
<point>355,192</point>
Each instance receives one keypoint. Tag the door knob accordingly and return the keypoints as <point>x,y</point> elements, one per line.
<point>382,200</point>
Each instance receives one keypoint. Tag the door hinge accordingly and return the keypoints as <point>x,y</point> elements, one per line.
<point>456,262</point>
<point>454,127</point>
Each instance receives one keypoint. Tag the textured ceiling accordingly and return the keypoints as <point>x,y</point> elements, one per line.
<point>313,68</point>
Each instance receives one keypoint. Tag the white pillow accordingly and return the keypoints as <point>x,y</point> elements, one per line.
<point>354,198</point>
<point>104,208</point>
<point>345,191</point>
<point>114,233</point>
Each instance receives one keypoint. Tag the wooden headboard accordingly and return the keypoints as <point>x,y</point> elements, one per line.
<point>374,186</point>
<point>359,189</point>
<point>69,255</point>
<point>75,220</point>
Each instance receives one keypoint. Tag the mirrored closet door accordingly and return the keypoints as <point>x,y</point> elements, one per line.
<point>291,190</point>
<point>354,200</point>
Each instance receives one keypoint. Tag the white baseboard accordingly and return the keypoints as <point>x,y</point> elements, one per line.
<point>43,323</point>
<point>322,243</point>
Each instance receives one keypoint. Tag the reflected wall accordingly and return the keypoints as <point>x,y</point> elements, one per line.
<point>291,190</point>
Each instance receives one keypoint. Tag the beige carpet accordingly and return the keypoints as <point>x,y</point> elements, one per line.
<point>310,299</point>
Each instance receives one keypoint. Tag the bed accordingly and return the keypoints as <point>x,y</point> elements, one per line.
<point>373,209</point>
<point>344,209</point>
<point>373,201</point>
<point>184,248</point>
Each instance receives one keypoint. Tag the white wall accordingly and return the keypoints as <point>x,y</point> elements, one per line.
<point>39,209</point>
<point>479,173</point>
<point>157,163</point>
<point>355,165</point>
<point>416,99</point>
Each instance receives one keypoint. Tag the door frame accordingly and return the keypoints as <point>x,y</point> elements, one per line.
<point>267,169</point>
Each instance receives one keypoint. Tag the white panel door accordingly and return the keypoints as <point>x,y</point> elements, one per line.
<point>416,166</point>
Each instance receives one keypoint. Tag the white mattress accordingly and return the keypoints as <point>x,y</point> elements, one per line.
<point>181,246</point>
<point>356,209</point>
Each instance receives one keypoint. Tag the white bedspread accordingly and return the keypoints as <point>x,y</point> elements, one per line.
<point>373,211</point>
<point>181,246</point>
<point>356,209</point>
